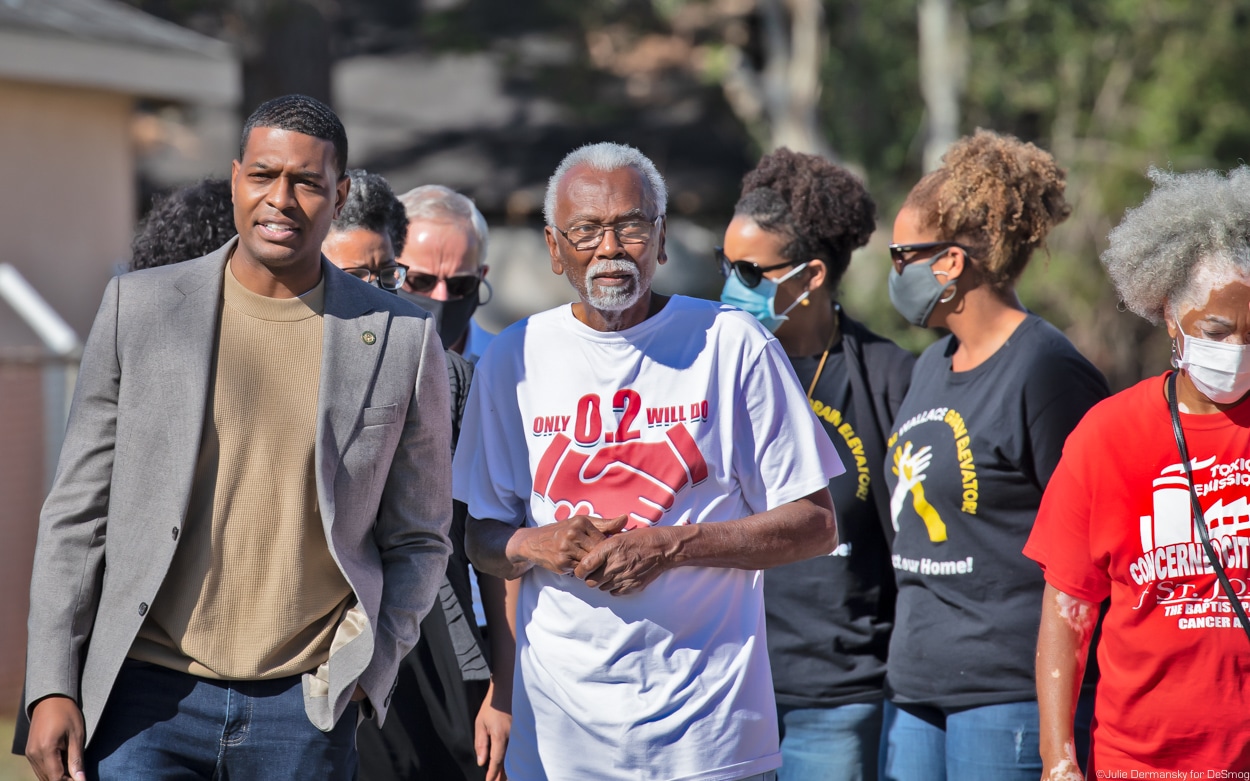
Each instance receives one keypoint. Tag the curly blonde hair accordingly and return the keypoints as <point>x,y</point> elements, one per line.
<point>997,195</point>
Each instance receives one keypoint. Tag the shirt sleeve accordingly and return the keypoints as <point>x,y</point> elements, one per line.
<point>781,452</point>
<point>1063,395</point>
<point>1060,540</point>
<point>490,473</point>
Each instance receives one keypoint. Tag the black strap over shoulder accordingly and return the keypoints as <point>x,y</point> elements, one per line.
<point>1200,521</point>
<point>869,428</point>
<point>459,376</point>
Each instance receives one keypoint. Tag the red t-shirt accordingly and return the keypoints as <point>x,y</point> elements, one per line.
<point>1116,522</point>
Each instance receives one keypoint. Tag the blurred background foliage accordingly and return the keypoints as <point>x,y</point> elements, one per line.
<point>1111,87</point>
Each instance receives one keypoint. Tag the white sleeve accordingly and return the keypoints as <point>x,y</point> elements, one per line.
<point>490,472</point>
<point>781,452</point>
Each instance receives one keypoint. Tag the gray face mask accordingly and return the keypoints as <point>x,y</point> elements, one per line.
<point>916,292</point>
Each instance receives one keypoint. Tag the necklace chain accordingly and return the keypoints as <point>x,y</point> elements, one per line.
<point>833,338</point>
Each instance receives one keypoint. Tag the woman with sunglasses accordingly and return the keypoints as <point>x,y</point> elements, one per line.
<point>973,446</point>
<point>828,619</point>
<point>369,232</point>
<point>1117,521</point>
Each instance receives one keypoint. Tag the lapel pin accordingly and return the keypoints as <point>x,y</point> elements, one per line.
<point>368,338</point>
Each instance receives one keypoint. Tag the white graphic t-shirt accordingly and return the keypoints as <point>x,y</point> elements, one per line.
<point>693,416</point>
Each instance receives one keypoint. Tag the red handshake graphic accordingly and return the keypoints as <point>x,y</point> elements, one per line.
<point>638,479</point>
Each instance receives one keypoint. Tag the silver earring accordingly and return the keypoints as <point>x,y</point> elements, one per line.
<point>1176,358</point>
<point>952,291</point>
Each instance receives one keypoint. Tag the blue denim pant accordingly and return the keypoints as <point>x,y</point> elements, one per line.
<point>990,743</point>
<point>167,725</point>
<point>830,744</point>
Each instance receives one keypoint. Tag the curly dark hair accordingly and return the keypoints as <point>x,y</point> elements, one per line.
<point>996,194</point>
<point>184,224</point>
<point>823,210</point>
<point>300,114</point>
<point>373,206</point>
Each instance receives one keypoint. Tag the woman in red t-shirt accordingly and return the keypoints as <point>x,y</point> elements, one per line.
<point>1116,520</point>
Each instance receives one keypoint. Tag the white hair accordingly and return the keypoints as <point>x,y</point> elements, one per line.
<point>1189,233</point>
<point>437,203</point>
<point>606,156</point>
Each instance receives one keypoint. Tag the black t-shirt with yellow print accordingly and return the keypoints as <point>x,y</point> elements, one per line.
<point>829,617</point>
<point>966,464</point>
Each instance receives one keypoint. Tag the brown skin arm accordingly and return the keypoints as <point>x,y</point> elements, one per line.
<point>493,725</point>
<point>507,552</point>
<point>55,745</point>
<point>628,563</point>
<point>1062,651</point>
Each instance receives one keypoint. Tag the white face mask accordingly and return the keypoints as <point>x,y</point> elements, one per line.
<point>1219,371</point>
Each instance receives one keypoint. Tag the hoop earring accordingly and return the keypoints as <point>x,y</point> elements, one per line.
<point>952,291</point>
<point>490,291</point>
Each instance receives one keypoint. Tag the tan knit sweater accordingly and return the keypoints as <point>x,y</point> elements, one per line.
<point>253,592</point>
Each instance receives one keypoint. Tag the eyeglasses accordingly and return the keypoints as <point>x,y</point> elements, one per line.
<point>589,235</point>
<point>898,252</point>
<point>458,286</point>
<point>751,274</point>
<point>389,278</point>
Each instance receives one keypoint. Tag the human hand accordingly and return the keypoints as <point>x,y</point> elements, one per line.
<point>562,545</point>
<point>1064,770</point>
<point>54,747</point>
<point>491,731</point>
<point>628,563</point>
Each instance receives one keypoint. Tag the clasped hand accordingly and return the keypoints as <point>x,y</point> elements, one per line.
<point>594,550</point>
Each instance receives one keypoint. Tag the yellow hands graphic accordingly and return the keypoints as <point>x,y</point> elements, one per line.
<point>910,469</point>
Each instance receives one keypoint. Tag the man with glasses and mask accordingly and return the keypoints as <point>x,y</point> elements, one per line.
<point>630,462</point>
<point>444,254</point>
<point>451,721</point>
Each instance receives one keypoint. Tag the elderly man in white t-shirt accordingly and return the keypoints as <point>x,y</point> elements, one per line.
<point>634,460</point>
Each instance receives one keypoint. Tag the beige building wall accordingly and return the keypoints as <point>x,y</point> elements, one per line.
<point>67,208</point>
<point>21,496</point>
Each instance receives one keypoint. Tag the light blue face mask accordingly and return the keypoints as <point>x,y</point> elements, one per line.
<point>760,301</point>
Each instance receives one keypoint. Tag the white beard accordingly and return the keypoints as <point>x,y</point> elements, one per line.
<point>619,297</point>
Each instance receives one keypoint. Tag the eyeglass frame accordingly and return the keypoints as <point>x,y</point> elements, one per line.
<point>478,275</point>
<point>898,250</point>
<point>375,277</point>
<point>603,230</point>
<point>727,266</point>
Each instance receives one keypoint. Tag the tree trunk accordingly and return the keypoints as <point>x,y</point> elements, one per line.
<point>943,66</point>
<point>287,50</point>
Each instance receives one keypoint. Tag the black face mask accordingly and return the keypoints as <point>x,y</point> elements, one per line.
<point>450,317</point>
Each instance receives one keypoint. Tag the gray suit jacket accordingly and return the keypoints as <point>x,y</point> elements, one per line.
<point>110,525</point>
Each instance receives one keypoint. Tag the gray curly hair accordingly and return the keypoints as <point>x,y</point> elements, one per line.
<point>372,205</point>
<point>1188,221</point>
<point>606,156</point>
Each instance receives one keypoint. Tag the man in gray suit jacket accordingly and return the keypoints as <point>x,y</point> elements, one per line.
<point>250,514</point>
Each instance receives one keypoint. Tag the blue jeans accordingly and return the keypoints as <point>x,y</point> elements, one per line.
<point>167,725</point>
<point>830,744</point>
<point>990,743</point>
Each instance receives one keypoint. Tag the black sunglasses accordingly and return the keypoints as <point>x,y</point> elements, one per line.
<point>751,274</point>
<point>898,252</point>
<point>458,286</point>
